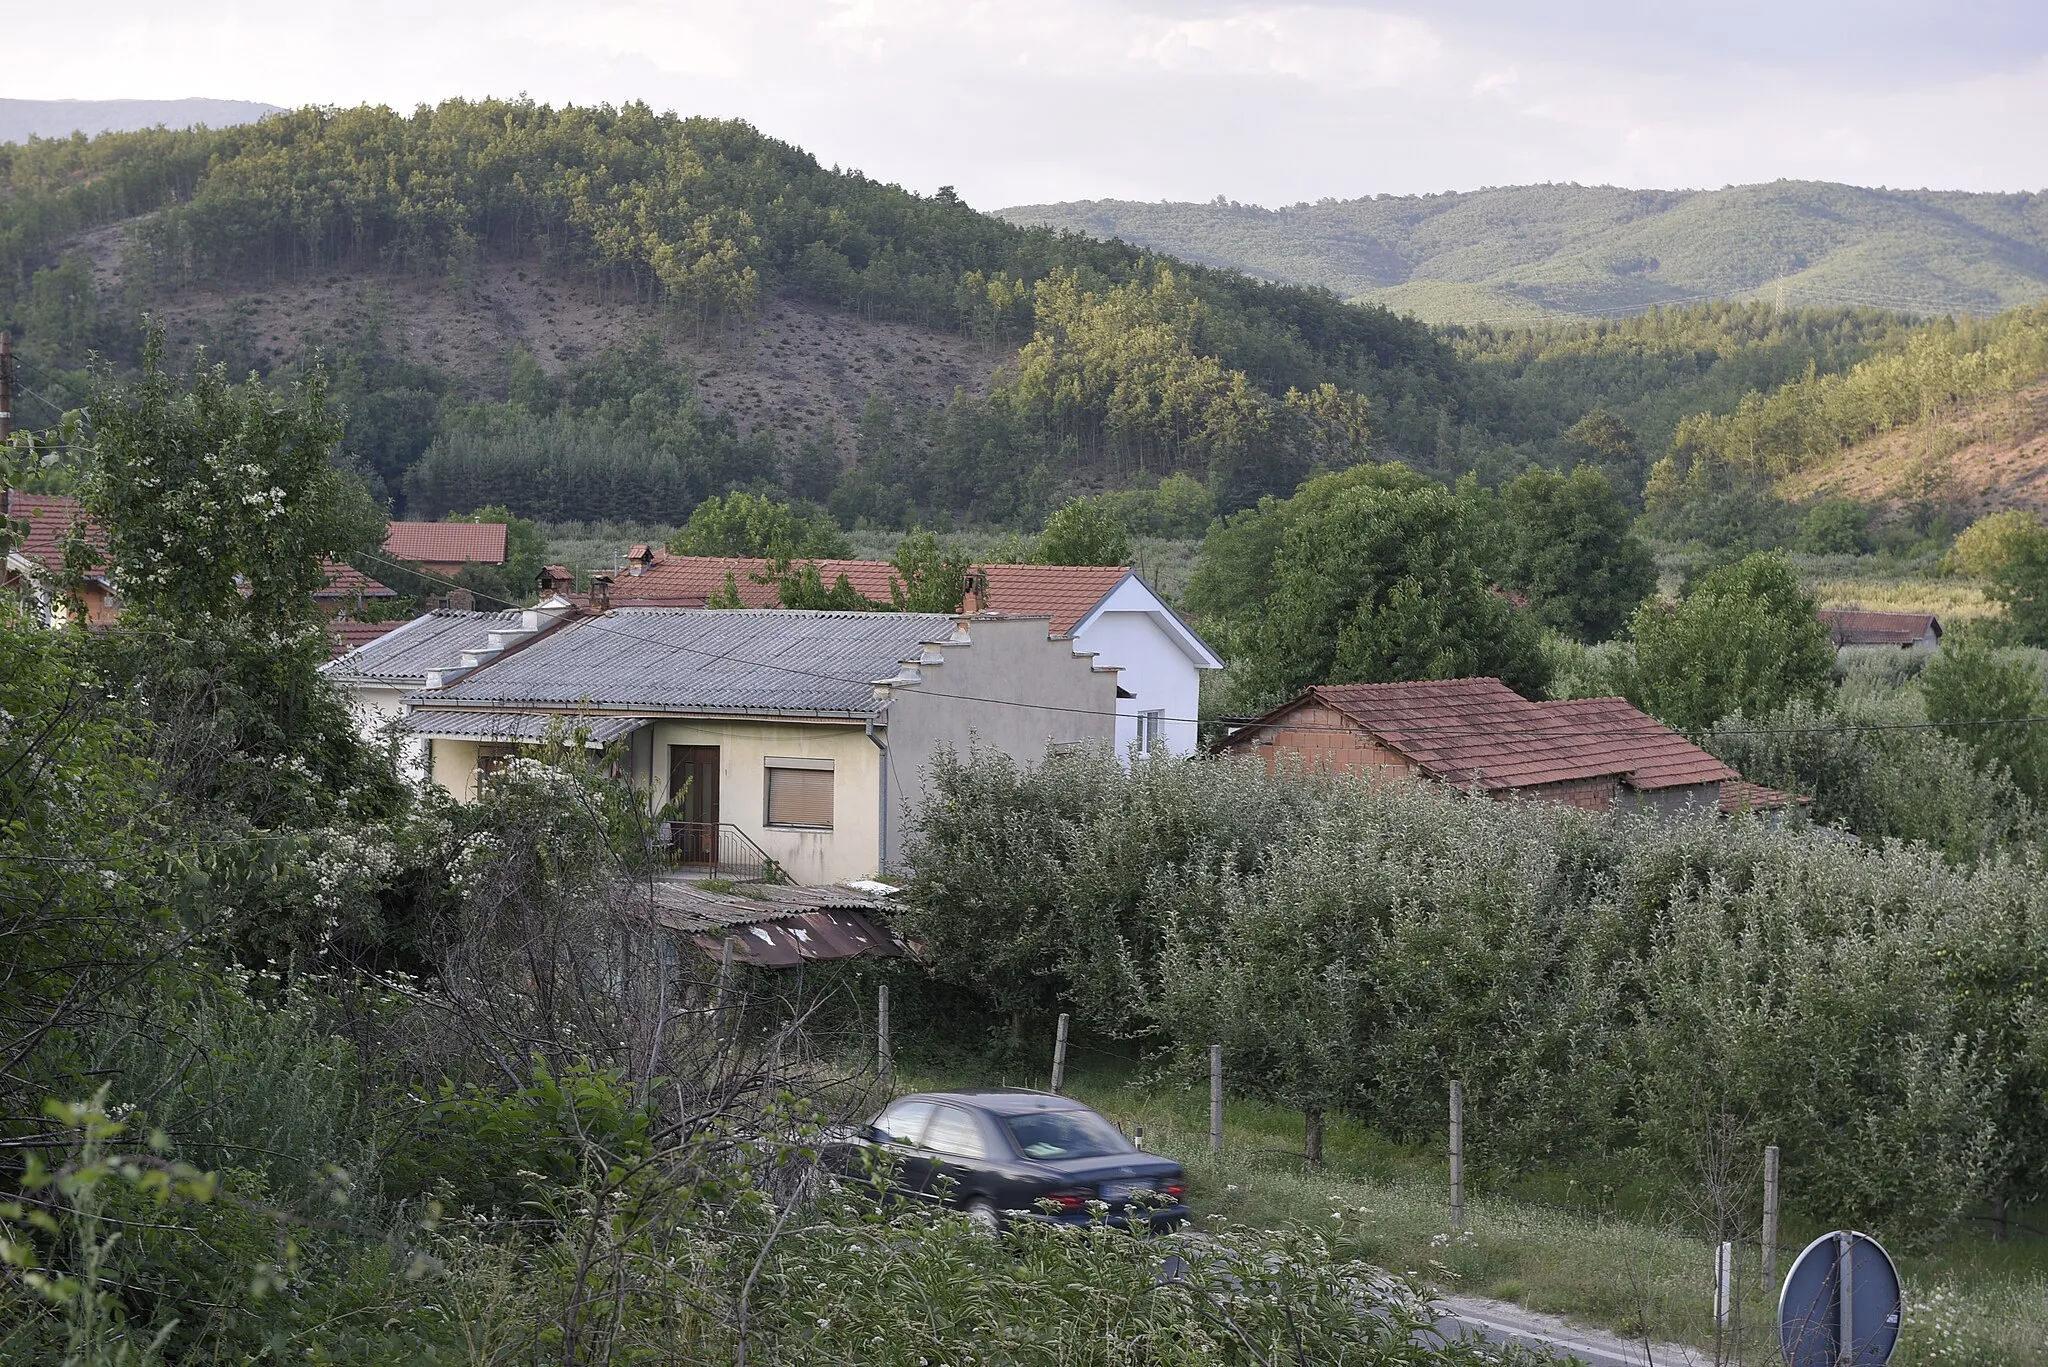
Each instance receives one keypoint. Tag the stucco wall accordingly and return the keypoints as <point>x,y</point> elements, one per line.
<point>1011,689</point>
<point>851,849</point>
<point>452,766</point>
<point>1150,665</point>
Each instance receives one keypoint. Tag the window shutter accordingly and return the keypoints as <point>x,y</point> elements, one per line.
<point>800,797</point>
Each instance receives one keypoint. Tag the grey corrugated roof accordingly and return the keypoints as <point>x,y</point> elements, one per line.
<point>443,723</point>
<point>433,642</point>
<point>769,660</point>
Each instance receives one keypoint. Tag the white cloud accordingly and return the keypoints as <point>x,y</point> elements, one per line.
<point>1016,102</point>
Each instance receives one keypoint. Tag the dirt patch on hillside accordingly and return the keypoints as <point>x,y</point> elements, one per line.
<point>1990,456</point>
<point>794,367</point>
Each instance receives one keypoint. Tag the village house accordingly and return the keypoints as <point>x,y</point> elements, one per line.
<point>1599,754</point>
<point>442,548</point>
<point>1851,628</point>
<point>803,738</point>
<point>1108,612</point>
<point>43,524</point>
<point>401,658</point>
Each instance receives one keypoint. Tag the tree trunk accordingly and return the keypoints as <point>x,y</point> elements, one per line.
<point>1998,1217</point>
<point>1017,1027</point>
<point>1312,1129</point>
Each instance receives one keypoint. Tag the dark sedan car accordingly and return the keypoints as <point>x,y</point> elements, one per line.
<point>1002,1155</point>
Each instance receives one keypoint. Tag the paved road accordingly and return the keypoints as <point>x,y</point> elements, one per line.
<point>1505,1322</point>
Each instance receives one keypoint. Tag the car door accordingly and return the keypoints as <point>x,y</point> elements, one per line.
<point>899,1135</point>
<point>958,1154</point>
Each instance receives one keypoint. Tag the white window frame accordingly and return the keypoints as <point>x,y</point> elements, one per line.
<point>1151,731</point>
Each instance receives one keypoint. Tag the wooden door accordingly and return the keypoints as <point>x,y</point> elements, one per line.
<point>693,787</point>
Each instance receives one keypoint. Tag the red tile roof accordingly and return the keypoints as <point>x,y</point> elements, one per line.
<point>1854,627</point>
<point>1653,754</point>
<point>1479,732</point>
<point>346,581</point>
<point>346,636</point>
<point>1743,796</point>
<point>447,543</point>
<point>47,521</point>
<point>1065,593</point>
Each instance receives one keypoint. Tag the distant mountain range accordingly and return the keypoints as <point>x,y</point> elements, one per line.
<point>24,119</point>
<point>1520,253</point>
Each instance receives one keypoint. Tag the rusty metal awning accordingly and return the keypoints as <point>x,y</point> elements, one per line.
<point>774,926</point>
<point>806,937</point>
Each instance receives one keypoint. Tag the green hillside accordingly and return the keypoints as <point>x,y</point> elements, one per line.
<point>609,314</point>
<point>1522,252</point>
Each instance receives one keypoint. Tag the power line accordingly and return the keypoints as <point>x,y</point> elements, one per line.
<point>1451,731</point>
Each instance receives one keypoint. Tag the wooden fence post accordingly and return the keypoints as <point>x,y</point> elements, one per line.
<point>884,1064</point>
<point>1457,1155</point>
<point>1769,1251</point>
<point>1059,1055</point>
<point>1216,1102</point>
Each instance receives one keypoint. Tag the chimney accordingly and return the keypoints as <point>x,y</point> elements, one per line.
<point>638,559</point>
<point>461,600</point>
<point>601,591</point>
<point>975,597</point>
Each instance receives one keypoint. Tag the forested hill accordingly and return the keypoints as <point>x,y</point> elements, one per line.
<point>1518,252</point>
<point>599,313</point>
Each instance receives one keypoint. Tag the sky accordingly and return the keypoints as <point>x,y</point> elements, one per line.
<point>1014,103</point>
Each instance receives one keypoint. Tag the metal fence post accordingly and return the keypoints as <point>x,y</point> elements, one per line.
<point>1769,1250</point>
<point>1845,1279</point>
<point>884,1064</point>
<point>1457,1155</point>
<point>1059,1055</point>
<point>1216,1102</point>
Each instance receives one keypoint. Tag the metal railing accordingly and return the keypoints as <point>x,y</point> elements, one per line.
<point>715,849</point>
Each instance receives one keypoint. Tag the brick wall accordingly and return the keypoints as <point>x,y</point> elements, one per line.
<point>1319,739</point>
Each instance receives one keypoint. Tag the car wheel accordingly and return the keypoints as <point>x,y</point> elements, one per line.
<point>983,1216</point>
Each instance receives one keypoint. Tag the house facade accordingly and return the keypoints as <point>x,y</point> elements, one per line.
<point>1598,754</point>
<point>1107,612</point>
<point>804,735</point>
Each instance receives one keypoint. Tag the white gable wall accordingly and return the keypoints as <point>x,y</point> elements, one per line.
<point>1134,632</point>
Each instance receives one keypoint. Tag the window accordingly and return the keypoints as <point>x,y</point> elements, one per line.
<point>1053,1136</point>
<point>1151,732</point>
<point>800,793</point>
<point>491,756</point>
<point>904,1122</point>
<point>954,1132</point>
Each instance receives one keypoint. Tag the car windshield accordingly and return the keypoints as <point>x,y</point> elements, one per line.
<point>1054,1135</point>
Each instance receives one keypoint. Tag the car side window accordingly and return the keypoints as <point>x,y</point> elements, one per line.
<point>904,1122</point>
<point>953,1132</point>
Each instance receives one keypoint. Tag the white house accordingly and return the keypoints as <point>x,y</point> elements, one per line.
<point>430,651</point>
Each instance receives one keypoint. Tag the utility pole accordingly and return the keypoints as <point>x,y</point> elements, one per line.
<point>6,386</point>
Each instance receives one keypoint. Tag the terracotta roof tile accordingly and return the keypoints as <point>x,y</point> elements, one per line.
<point>1065,593</point>
<point>1652,754</point>
<point>1744,796</point>
<point>1854,627</point>
<point>447,542</point>
<point>46,521</point>
<point>346,581</point>
<point>1479,732</point>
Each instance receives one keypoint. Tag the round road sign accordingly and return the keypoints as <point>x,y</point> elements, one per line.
<point>1842,1290</point>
